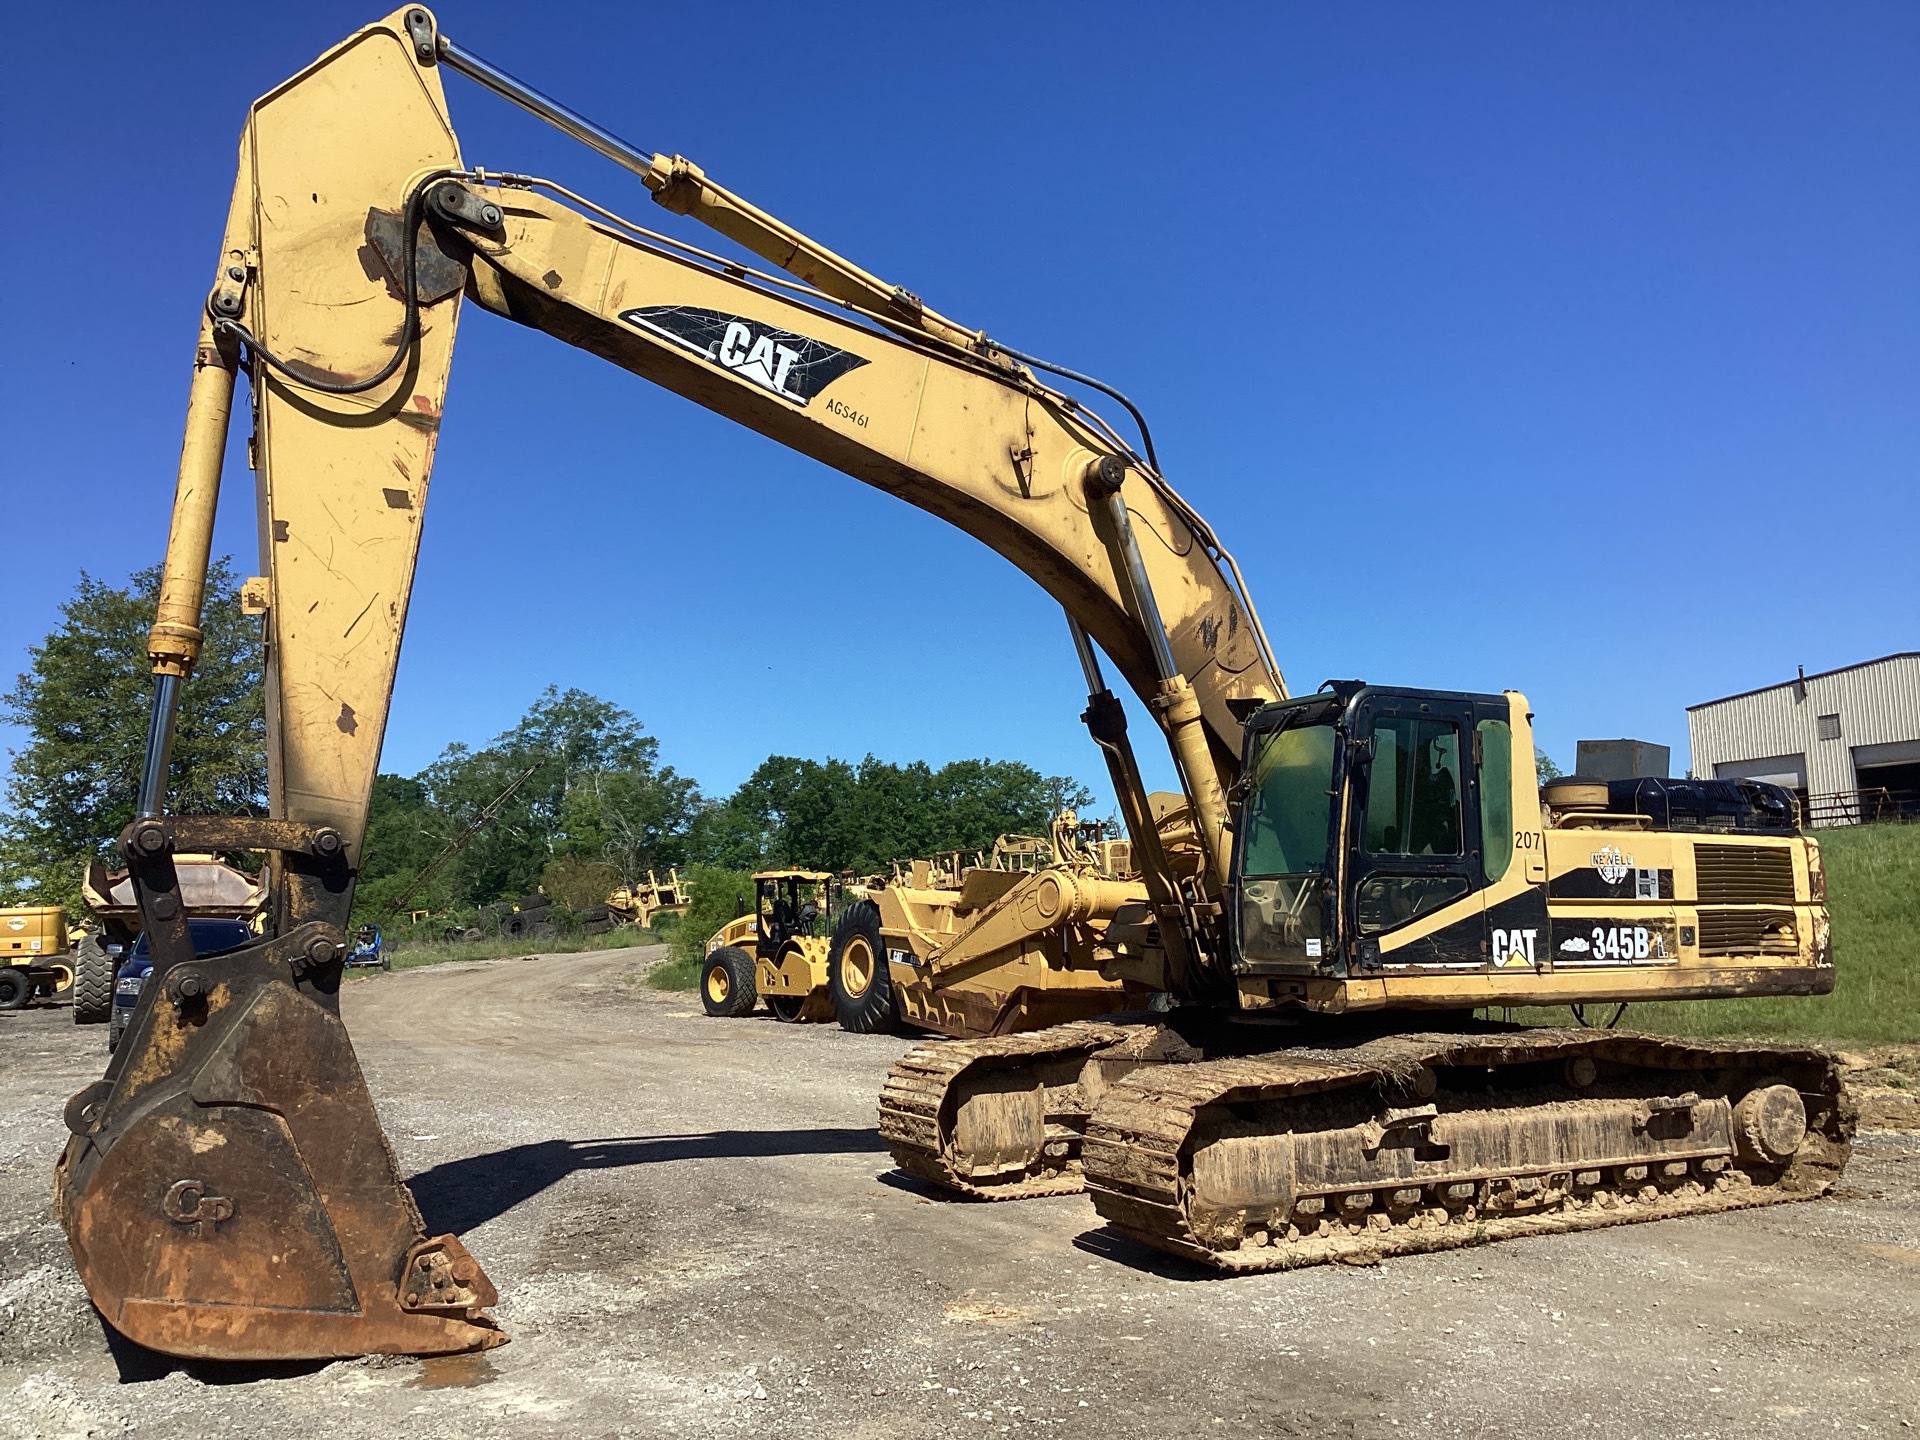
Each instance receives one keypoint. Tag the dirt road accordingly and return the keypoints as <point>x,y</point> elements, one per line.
<point>695,1233</point>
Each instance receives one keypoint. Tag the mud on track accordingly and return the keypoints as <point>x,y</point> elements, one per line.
<point>696,1232</point>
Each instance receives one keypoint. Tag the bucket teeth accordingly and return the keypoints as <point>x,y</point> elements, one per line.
<point>441,1278</point>
<point>231,1195</point>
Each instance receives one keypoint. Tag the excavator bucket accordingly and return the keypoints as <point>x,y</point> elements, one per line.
<point>227,1190</point>
<point>229,1195</point>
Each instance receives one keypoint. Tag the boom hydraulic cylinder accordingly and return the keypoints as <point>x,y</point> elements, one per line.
<point>1178,707</point>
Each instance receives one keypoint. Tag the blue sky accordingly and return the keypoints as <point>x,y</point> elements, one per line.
<point>1568,348</point>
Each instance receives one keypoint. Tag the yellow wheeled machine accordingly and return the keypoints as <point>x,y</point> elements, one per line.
<point>39,957</point>
<point>636,904</point>
<point>1013,941</point>
<point>776,952</point>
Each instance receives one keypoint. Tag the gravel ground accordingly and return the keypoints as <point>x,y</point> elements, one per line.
<point>695,1233</point>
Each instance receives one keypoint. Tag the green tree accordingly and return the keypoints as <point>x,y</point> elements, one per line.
<point>753,824</point>
<point>597,793</point>
<point>1545,768</point>
<point>578,883</point>
<point>404,833</point>
<point>727,835</point>
<point>506,858</point>
<point>633,819</point>
<point>716,894</point>
<point>84,703</point>
<point>830,815</point>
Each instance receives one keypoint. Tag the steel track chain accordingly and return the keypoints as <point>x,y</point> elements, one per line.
<point>1135,1148</point>
<point>913,1104</point>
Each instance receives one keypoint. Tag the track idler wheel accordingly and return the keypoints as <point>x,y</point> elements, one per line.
<point>1769,1124</point>
<point>228,1192</point>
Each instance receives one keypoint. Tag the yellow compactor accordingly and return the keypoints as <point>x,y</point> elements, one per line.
<point>1352,873</point>
<point>777,951</point>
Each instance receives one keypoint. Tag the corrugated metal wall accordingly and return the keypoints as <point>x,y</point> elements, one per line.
<point>1762,734</point>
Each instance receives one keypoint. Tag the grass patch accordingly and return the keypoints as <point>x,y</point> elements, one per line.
<point>676,974</point>
<point>412,955</point>
<point>1873,894</point>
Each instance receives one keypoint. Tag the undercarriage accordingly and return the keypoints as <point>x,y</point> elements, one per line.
<point>1225,1144</point>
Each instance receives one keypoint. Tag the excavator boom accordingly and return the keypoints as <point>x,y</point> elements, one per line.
<point>227,1190</point>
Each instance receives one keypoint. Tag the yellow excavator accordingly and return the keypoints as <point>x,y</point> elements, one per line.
<point>1352,874</point>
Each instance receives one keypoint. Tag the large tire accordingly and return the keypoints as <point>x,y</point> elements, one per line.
<point>116,1027</point>
<point>857,978</point>
<point>92,983</point>
<point>15,989</point>
<point>726,982</point>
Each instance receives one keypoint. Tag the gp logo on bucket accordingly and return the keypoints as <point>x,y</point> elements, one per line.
<point>791,366</point>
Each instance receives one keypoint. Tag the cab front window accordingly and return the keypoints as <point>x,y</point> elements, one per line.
<point>1283,910</point>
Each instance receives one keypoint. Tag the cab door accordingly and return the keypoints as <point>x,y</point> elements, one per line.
<point>1413,864</point>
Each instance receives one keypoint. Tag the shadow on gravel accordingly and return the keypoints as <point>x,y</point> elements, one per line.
<point>138,1365</point>
<point>925,1189</point>
<point>1110,1244</point>
<point>462,1194</point>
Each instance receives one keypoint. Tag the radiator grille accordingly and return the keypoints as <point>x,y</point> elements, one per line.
<point>1748,932</point>
<point>1744,874</point>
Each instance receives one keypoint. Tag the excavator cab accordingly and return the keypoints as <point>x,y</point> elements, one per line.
<point>1364,812</point>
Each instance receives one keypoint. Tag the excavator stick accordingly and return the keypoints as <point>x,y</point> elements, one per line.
<point>227,1190</point>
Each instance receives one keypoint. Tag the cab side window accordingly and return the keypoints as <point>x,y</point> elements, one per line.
<point>1413,797</point>
<point>1496,796</point>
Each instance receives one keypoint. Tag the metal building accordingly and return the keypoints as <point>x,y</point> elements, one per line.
<point>1847,740</point>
